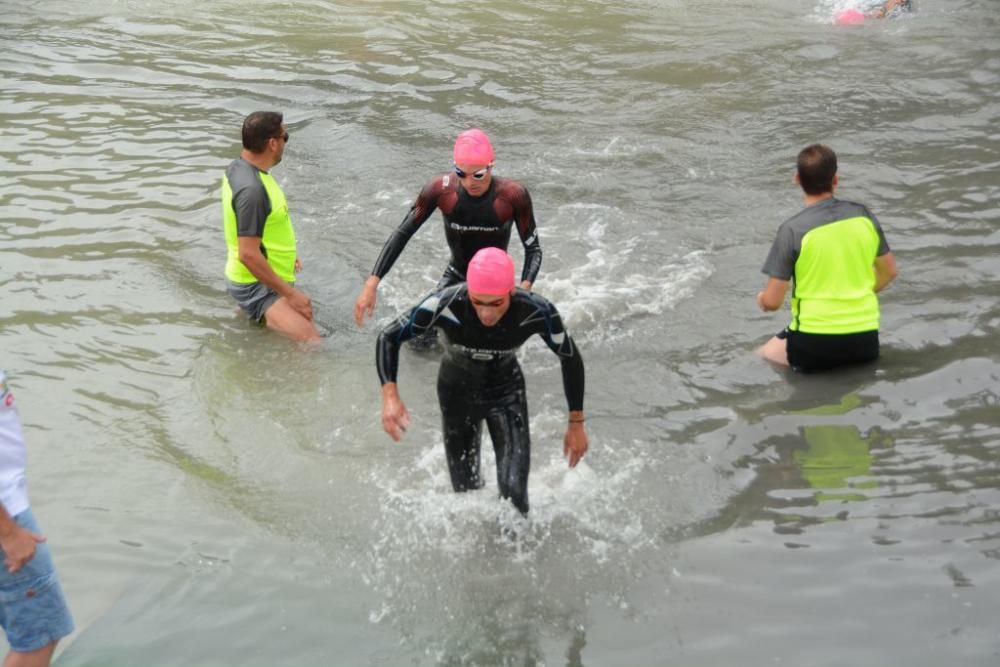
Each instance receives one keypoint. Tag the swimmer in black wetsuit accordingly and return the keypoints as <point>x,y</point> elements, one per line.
<point>484,322</point>
<point>479,210</point>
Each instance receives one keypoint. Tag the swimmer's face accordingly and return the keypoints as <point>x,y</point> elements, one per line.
<point>489,307</point>
<point>475,178</point>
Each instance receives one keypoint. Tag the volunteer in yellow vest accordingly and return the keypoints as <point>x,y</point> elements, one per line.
<point>261,261</point>
<point>837,258</point>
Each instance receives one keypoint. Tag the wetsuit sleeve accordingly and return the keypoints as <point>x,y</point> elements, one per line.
<point>560,342</point>
<point>409,325</point>
<point>524,214</point>
<point>780,262</point>
<point>420,211</point>
<point>572,375</point>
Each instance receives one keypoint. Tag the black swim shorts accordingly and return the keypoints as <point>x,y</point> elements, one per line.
<point>810,352</point>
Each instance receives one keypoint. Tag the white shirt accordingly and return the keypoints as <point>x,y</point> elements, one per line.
<point>13,455</point>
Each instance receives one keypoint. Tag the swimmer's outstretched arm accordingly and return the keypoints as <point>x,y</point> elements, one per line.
<point>395,416</point>
<point>550,328</point>
<point>528,231</point>
<point>575,441</point>
<point>364,305</point>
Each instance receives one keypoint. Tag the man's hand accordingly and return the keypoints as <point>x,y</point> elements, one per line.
<point>256,263</point>
<point>395,417</point>
<point>773,295</point>
<point>574,443</point>
<point>19,547</point>
<point>365,304</point>
<point>526,285</point>
<point>301,303</point>
<point>885,271</point>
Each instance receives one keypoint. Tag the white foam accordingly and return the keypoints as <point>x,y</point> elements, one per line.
<point>431,542</point>
<point>620,278</point>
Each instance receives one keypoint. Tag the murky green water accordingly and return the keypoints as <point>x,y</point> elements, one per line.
<point>215,496</point>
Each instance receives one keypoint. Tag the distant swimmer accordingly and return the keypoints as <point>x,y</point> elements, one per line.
<point>479,210</point>
<point>484,322</point>
<point>261,256</point>
<point>887,8</point>
<point>835,254</point>
<point>873,10</point>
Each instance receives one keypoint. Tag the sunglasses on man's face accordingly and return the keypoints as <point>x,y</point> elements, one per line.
<point>283,137</point>
<point>476,175</point>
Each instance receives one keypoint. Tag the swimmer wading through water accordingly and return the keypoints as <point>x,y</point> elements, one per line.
<point>479,211</point>
<point>484,322</point>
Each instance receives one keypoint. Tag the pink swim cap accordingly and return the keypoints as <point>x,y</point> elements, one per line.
<point>849,17</point>
<point>473,147</point>
<point>491,271</point>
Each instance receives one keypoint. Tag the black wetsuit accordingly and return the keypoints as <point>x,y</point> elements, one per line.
<point>480,379</point>
<point>470,224</point>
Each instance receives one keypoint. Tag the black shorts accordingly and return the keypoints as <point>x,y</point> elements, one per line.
<point>819,352</point>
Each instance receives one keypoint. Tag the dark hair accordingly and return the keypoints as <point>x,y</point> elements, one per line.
<point>817,165</point>
<point>260,126</point>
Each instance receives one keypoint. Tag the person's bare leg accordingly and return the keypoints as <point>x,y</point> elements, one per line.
<point>775,351</point>
<point>284,319</point>
<point>37,658</point>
